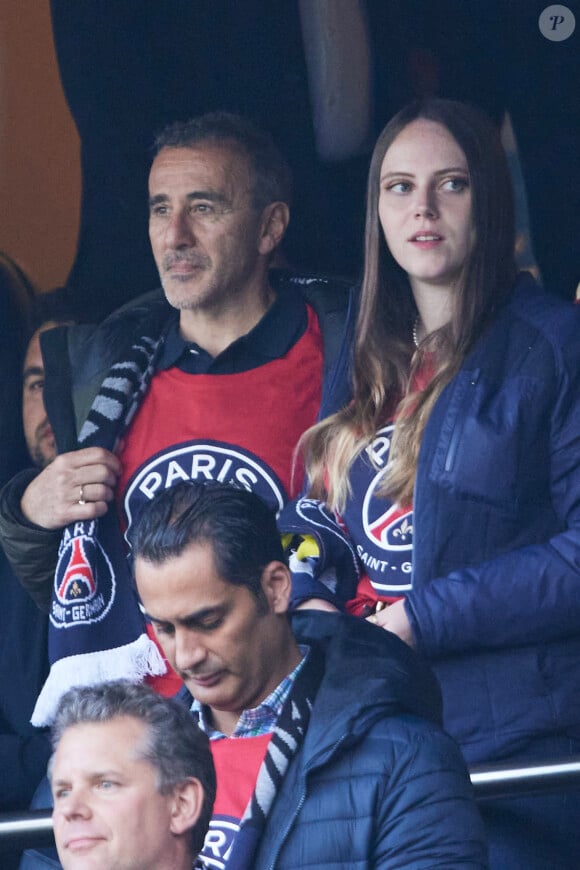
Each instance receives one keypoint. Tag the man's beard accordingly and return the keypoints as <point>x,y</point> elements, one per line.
<point>183,291</point>
<point>42,451</point>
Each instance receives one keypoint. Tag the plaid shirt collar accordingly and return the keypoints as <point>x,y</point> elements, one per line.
<point>258,720</point>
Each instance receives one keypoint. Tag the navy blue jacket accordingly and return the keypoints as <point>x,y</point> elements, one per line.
<point>376,782</point>
<point>24,750</point>
<point>495,598</point>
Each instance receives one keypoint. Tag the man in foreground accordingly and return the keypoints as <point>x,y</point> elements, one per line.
<point>132,779</point>
<point>324,731</point>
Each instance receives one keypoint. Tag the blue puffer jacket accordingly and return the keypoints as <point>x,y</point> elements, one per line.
<point>494,602</point>
<point>376,782</point>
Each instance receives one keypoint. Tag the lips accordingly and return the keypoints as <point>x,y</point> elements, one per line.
<point>426,237</point>
<point>43,431</point>
<point>82,843</point>
<point>204,681</point>
<point>184,268</point>
<point>184,263</point>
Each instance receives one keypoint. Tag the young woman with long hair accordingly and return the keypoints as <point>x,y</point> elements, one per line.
<point>455,469</point>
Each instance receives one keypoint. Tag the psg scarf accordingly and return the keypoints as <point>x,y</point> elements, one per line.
<point>96,629</point>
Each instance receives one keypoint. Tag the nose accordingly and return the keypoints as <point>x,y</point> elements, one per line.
<point>179,231</point>
<point>74,805</point>
<point>426,204</point>
<point>189,651</point>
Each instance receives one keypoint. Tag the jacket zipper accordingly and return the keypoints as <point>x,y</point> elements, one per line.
<point>460,421</point>
<point>301,803</point>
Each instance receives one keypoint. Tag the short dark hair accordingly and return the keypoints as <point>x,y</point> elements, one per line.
<point>272,178</point>
<point>238,525</point>
<point>56,306</point>
<point>176,747</point>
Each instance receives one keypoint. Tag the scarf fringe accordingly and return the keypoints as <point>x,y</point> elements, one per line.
<point>134,661</point>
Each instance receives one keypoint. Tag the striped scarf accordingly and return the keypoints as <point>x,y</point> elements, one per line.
<point>96,629</point>
<point>285,744</point>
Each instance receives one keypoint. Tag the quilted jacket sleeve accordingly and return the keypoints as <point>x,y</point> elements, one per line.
<point>31,550</point>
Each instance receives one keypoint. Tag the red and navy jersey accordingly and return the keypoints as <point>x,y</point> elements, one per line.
<point>237,763</point>
<point>241,427</point>
<point>381,531</point>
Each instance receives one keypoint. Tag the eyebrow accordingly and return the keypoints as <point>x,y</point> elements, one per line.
<point>106,773</point>
<point>211,195</point>
<point>32,370</point>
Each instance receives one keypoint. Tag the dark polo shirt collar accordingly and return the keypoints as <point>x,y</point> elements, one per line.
<point>278,330</point>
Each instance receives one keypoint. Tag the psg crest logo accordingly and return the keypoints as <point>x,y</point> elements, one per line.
<point>383,531</point>
<point>387,526</point>
<point>84,580</point>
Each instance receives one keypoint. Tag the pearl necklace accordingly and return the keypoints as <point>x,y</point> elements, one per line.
<point>416,330</point>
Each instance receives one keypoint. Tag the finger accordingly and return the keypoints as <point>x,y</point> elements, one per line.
<point>92,492</point>
<point>99,475</point>
<point>382,618</point>
<point>83,512</point>
<point>87,457</point>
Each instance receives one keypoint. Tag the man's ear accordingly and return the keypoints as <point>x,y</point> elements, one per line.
<point>187,803</point>
<point>277,585</point>
<point>275,220</point>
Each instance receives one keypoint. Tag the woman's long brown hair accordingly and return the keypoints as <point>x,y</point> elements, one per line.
<point>384,357</point>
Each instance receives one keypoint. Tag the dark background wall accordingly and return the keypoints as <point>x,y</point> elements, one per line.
<point>130,66</point>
